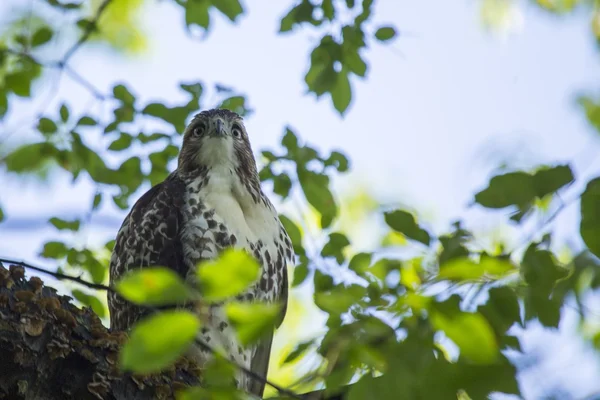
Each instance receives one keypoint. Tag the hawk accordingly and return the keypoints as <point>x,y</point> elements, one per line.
<point>211,202</point>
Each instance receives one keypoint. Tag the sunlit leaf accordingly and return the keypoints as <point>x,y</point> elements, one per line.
<point>229,275</point>
<point>252,320</point>
<point>158,341</point>
<point>465,269</point>
<point>471,332</point>
<point>154,286</point>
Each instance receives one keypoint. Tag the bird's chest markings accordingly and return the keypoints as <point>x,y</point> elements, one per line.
<point>219,218</point>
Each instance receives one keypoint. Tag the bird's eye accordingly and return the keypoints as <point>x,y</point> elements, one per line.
<point>236,131</point>
<point>199,129</point>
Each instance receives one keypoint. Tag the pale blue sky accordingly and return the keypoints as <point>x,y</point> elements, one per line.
<point>440,108</point>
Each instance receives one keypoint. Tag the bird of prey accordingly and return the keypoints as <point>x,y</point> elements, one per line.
<point>211,202</point>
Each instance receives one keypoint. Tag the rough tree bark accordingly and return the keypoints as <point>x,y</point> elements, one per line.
<point>52,350</point>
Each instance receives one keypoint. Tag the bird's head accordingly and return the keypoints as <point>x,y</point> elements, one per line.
<point>217,139</point>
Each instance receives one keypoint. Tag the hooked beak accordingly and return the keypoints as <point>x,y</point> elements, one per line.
<point>219,128</point>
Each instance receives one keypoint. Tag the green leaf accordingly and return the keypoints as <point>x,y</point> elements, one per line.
<point>90,301</point>
<point>196,12</point>
<point>385,33</point>
<point>176,116</point>
<point>62,224</point>
<point>154,286</point>
<point>592,110</point>
<point>589,227</point>
<point>322,281</point>
<point>30,157</point>
<point>513,188</point>
<point>86,121</point>
<point>282,184</point>
<point>121,143</point>
<point>404,222</point>
<point>335,246</point>
<point>470,332</point>
<point>47,126</point>
<point>298,351</point>
<point>1,214</point>
<point>465,269</point>
<point>338,160</point>
<point>158,341</point>
<point>502,309</point>
<point>341,94</point>
<point>316,190</point>
<point>300,274</point>
<point>64,113</point>
<point>54,250</point>
<point>96,201</point>
<point>229,275</point>
<point>122,93</point>
<point>360,263</point>
<point>252,320</point>
<point>230,8</point>
<point>41,36</point>
<point>339,299</point>
<point>550,180</point>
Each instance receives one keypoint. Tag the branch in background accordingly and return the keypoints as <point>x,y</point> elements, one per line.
<point>91,27</point>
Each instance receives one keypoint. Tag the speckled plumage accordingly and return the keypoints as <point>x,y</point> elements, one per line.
<point>211,202</point>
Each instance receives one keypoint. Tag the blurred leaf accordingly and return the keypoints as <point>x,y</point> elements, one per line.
<point>502,309</point>
<point>592,110</point>
<point>30,157</point>
<point>513,188</point>
<point>176,116</point>
<point>300,274</point>
<point>41,36</point>
<point>340,298</point>
<point>341,94</point>
<point>338,160</point>
<point>158,341</point>
<point>385,33</point>
<point>62,224</point>
<point>335,246</point>
<point>196,12</point>
<point>252,320</point>
<point>316,189</point>
<point>229,275</point>
<point>282,184</point>
<point>405,223</point>
<point>54,250</point>
<point>469,331</point>
<point>589,227</point>
<point>64,113</point>
<point>230,8</point>
<point>1,214</point>
<point>122,93</point>
<point>360,263</point>
<point>550,180</point>
<point>121,143</point>
<point>298,351</point>
<point>465,269</point>
<point>47,126</point>
<point>322,282</point>
<point>154,286</point>
<point>96,201</point>
<point>90,301</point>
<point>87,121</point>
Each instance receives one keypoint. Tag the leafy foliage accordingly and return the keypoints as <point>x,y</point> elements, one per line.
<point>385,310</point>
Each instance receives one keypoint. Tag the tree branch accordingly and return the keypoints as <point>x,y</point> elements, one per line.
<point>88,31</point>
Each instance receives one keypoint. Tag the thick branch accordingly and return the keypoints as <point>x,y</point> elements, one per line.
<point>52,350</point>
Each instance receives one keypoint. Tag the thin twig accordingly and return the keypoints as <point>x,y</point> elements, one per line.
<point>58,275</point>
<point>83,82</point>
<point>200,342</point>
<point>250,373</point>
<point>88,31</point>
